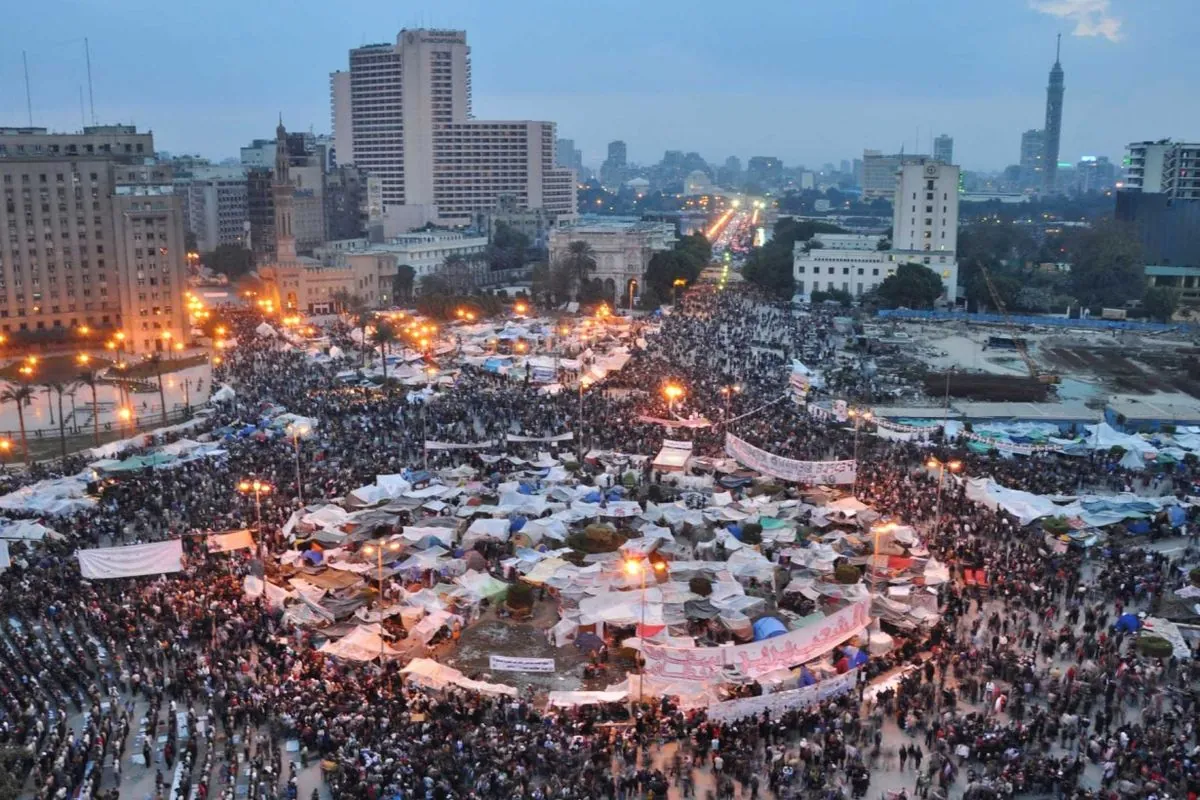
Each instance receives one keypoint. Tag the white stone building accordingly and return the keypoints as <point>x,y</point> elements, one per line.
<point>622,250</point>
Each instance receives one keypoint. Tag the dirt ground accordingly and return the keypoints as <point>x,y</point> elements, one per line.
<point>1140,371</point>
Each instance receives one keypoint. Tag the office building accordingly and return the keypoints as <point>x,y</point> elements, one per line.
<point>764,171</point>
<point>215,210</point>
<point>616,154</point>
<point>1094,174</point>
<point>1033,149</point>
<point>91,235</point>
<point>943,149</point>
<point>402,112</point>
<point>568,156</point>
<point>1053,128</point>
<point>615,169</point>
<point>879,173</point>
<point>345,203</point>
<point>1168,229</point>
<point>845,167</point>
<point>924,231</point>
<point>622,250</point>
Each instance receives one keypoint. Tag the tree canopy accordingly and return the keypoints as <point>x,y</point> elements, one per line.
<point>770,266</point>
<point>911,286</point>
<point>1160,302</point>
<point>1106,266</point>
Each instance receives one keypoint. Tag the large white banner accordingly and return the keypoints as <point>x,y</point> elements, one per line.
<point>131,561</point>
<point>562,437</point>
<point>780,702</point>
<point>758,658</point>
<point>810,472</point>
<point>432,445</point>
<point>515,664</point>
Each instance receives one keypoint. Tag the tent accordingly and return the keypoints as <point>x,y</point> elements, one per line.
<point>364,643</point>
<point>430,674</point>
<point>1127,623</point>
<point>768,628</point>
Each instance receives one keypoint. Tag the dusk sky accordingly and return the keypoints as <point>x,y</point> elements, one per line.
<point>804,80</point>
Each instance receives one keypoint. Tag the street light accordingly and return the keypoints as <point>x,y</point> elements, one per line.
<point>728,392</point>
<point>672,392</point>
<point>258,489</point>
<point>125,414</point>
<point>941,467</point>
<point>5,448</point>
<point>675,284</point>
<point>377,551</point>
<point>635,567</point>
<point>296,431</point>
<point>859,416</point>
<point>520,307</point>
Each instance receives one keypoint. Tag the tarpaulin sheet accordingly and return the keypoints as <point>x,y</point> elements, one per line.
<point>132,560</point>
<point>234,540</point>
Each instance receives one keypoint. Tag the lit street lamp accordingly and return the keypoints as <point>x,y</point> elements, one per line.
<point>635,567</point>
<point>376,549</point>
<point>941,467</point>
<point>672,392</point>
<point>296,431</point>
<point>728,392</point>
<point>859,417</point>
<point>258,489</point>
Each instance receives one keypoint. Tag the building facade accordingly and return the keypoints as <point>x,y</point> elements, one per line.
<point>943,149</point>
<point>403,113</point>
<point>216,209</point>
<point>879,173</point>
<point>91,234</point>
<point>1172,168</point>
<point>622,250</point>
<point>1032,152</point>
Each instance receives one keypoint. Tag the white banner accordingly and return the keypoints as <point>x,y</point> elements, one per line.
<point>562,437</point>
<point>234,540</point>
<point>514,664</point>
<point>758,658</point>
<point>431,445</point>
<point>699,422</point>
<point>780,702</point>
<point>5,560</point>
<point>810,472</point>
<point>128,562</point>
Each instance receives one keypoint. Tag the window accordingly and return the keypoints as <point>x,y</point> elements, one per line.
<point>799,270</point>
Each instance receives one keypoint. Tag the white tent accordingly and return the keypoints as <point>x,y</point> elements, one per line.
<point>364,643</point>
<point>480,529</point>
<point>433,675</point>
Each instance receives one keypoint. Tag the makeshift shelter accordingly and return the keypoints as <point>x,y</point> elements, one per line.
<point>768,628</point>
<point>673,457</point>
<point>363,643</point>
<point>432,675</point>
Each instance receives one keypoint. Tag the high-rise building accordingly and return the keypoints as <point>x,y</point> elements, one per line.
<point>730,175</point>
<point>616,154</point>
<point>403,113</point>
<point>925,218</point>
<point>568,156</point>
<point>1161,200</point>
<point>260,212</point>
<point>1172,168</point>
<point>1094,174</point>
<point>879,173</point>
<point>943,149</point>
<point>845,167</point>
<point>345,203</point>
<point>215,206</point>
<point>764,171</point>
<point>1053,128</point>
<point>615,169</point>
<point>93,235</point>
<point>1033,150</point>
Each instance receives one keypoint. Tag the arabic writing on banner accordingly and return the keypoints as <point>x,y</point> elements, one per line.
<point>562,437</point>
<point>810,472</point>
<point>1005,446</point>
<point>699,422</point>
<point>757,658</point>
<point>432,445</point>
<point>901,427</point>
<point>515,664</point>
<point>780,702</point>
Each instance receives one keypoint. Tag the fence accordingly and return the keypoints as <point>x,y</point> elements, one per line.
<point>140,423</point>
<point>1017,319</point>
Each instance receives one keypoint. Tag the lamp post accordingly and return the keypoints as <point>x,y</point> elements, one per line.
<point>941,467</point>
<point>296,431</point>
<point>5,448</point>
<point>377,551</point>
<point>579,424</point>
<point>125,414</point>
<point>675,284</point>
<point>672,392</point>
<point>859,417</point>
<point>728,392</point>
<point>258,489</point>
<point>635,567</point>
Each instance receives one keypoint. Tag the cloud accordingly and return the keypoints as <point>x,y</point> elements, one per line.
<point>1091,17</point>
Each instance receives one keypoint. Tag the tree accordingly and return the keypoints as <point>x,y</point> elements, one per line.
<point>434,284</point>
<point>52,388</point>
<point>402,283</point>
<point>383,336</point>
<point>91,379</point>
<point>230,260</point>
<point>1106,266</point>
<point>912,286</point>
<point>580,262</point>
<point>1160,302</point>
<point>156,362</point>
<point>667,266</point>
<point>19,394</point>
<point>540,280</point>
<point>456,271</point>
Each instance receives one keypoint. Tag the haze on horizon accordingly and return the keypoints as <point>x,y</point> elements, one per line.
<point>805,81</point>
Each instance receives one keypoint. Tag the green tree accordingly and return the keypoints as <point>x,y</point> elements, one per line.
<point>434,284</point>
<point>383,337</point>
<point>91,379</point>
<point>541,280</point>
<point>53,388</point>
<point>231,260</point>
<point>19,394</point>
<point>156,363</point>
<point>1106,266</point>
<point>912,286</point>
<point>1160,302</point>
<point>664,268</point>
<point>402,283</point>
<point>580,262</point>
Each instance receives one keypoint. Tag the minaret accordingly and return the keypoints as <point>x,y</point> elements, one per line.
<point>1054,109</point>
<point>282,191</point>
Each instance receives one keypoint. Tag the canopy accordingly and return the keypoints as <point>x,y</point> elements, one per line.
<point>767,628</point>
<point>364,643</point>
<point>431,674</point>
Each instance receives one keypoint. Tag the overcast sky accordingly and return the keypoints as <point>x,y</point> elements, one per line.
<point>809,81</point>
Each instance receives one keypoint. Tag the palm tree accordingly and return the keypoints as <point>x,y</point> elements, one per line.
<point>383,336</point>
<point>91,379</point>
<point>58,387</point>
<point>580,262</point>
<point>19,394</point>
<point>156,361</point>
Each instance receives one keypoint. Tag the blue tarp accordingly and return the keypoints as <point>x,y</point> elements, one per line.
<point>768,628</point>
<point>1128,623</point>
<point>735,529</point>
<point>313,556</point>
<point>591,497</point>
<point>1176,515</point>
<point>806,677</point>
<point>516,524</point>
<point>730,482</point>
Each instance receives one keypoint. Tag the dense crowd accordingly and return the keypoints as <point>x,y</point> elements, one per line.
<point>1018,688</point>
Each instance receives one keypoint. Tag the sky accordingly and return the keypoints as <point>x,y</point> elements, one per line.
<point>808,81</point>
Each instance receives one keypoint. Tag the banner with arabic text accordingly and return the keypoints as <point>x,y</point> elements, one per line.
<point>562,437</point>
<point>810,472</point>
<point>780,702</point>
<point>431,445</point>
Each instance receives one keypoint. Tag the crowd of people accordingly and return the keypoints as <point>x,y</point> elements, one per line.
<point>1019,687</point>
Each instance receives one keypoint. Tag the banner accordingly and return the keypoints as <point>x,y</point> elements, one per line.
<point>757,658</point>
<point>562,437</point>
<point>128,562</point>
<point>1005,446</point>
<point>897,426</point>
<point>699,422</point>
<point>429,445</point>
<point>841,411</point>
<point>234,540</point>
<point>810,472</point>
<point>781,702</point>
<point>514,664</point>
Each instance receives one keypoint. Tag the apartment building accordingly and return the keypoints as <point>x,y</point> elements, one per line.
<point>91,234</point>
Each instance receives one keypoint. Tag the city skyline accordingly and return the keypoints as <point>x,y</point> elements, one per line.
<point>733,89</point>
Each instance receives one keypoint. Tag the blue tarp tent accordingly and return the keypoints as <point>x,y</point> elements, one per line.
<point>516,524</point>
<point>806,677</point>
<point>592,497</point>
<point>768,628</point>
<point>1128,623</point>
<point>1176,515</point>
<point>735,529</point>
<point>313,556</point>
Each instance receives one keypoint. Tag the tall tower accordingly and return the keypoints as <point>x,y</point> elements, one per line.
<point>1053,129</point>
<point>282,190</point>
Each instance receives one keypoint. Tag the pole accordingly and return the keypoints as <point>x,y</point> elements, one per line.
<point>28,96</point>
<point>857,420</point>
<point>424,436</point>
<point>579,425</point>
<point>296,450</point>
<point>379,574</point>
<point>937,522</point>
<point>258,513</point>
<point>641,633</point>
<point>87,51</point>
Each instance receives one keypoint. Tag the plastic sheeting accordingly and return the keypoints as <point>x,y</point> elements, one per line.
<point>127,562</point>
